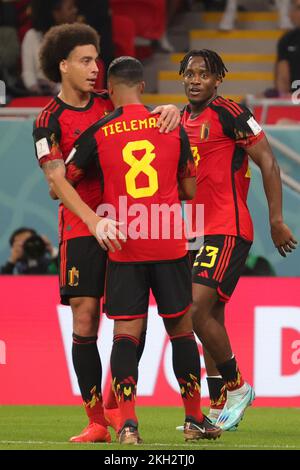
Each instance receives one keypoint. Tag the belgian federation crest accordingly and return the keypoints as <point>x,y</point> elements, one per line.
<point>204,131</point>
<point>73,277</point>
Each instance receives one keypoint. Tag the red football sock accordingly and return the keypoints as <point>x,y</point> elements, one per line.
<point>111,401</point>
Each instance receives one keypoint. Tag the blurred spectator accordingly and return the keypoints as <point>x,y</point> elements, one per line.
<point>124,33</point>
<point>230,13</point>
<point>45,13</point>
<point>30,254</point>
<point>288,54</point>
<point>97,13</point>
<point>9,49</point>
<point>163,43</point>
<point>8,13</point>
<point>214,5</point>
<point>23,10</point>
<point>150,19</point>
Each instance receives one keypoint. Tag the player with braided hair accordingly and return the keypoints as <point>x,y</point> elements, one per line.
<point>222,134</point>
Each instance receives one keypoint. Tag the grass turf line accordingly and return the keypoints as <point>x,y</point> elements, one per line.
<point>49,428</point>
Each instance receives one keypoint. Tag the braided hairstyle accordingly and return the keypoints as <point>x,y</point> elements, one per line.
<point>212,60</point>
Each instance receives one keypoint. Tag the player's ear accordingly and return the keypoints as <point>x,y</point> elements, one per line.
<point>142,87</point>
<point>110,87</point>
<point>63,66</point>
<point>219,80</point>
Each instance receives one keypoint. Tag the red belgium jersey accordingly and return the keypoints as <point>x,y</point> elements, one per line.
<point>219,139</point>
<point>54,133</point>
<point>140,168</point>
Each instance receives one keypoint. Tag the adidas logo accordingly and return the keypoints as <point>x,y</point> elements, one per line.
<point>204,274</point>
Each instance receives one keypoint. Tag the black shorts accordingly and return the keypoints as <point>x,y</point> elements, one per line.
<point>128,288</point>
<point>82,269</point>
<point>220,263</point>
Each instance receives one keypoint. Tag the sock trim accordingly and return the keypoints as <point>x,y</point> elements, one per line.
<point>84,339</point>
<point>122,337</point>
<point>183,336</point>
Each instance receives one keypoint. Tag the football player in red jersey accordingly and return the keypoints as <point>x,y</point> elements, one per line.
<point>146,169</point>
<point>68,55</point>
<point>222,134</point>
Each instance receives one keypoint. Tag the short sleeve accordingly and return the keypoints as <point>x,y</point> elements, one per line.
<point>240,125</point>
<point>46,136</point>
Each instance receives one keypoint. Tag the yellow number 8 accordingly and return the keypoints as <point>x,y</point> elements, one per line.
<point>140,166</point>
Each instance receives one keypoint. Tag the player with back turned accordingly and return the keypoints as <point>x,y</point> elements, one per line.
<point>68,56</point>
<point>222,134</point>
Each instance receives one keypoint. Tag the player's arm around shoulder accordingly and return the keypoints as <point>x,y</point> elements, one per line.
<point>169,117</point>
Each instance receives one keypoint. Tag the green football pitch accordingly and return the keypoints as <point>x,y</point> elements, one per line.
<point>44,428</point>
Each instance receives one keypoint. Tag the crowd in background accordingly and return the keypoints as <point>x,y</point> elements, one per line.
<point>24,22</point>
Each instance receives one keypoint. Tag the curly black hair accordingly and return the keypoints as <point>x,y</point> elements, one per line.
<point>212,60</point>
<point>59,42</point>
<point>127,70</point>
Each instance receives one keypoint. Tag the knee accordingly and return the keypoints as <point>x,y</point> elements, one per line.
<point>198,314</point>
<point>85,318</point>
<point>195,310</point>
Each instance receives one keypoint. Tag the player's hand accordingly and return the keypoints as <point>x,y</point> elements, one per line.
<point>169,117</point>
<point>283,238</point>
<point>107,233</point>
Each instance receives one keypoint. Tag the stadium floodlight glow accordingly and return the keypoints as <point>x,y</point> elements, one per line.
<point>2,92</point>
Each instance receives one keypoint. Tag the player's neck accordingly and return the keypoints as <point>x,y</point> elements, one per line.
<point>197,109</point>
<point>74,97</point>
<point>126,101</point>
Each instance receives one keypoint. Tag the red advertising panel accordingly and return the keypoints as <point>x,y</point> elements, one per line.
<point>263,320</point>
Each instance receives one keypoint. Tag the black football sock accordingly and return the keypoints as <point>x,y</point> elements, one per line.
<point>231,375</point>
<point>87,365</point>
<point>141,346</point>
<point>217,392</point>
<point>186,365</point>
<point>110,401</point>
<point>124,370</point>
